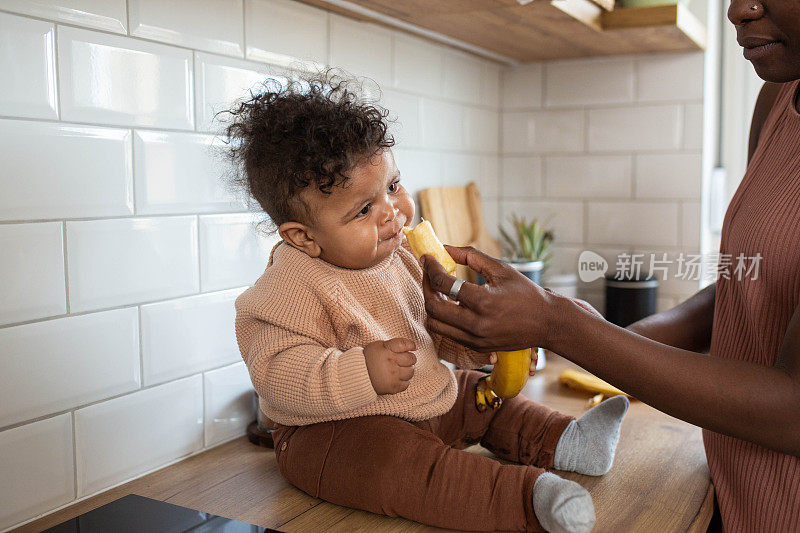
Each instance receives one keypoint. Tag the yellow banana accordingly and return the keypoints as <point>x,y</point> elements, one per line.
<point>423,240</point>
<point>511,371</point>
<point>587,382</point>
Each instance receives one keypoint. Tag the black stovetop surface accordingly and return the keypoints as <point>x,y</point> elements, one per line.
<point>137,514</point>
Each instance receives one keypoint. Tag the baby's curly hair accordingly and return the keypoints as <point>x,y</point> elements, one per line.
<point>302,132</point>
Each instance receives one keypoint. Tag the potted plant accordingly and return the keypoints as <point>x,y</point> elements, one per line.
<point>529,249</point>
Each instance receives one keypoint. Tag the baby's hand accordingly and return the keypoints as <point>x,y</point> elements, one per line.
<point>390,364</point>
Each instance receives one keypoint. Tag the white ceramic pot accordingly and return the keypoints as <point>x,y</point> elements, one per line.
<point>530,269</point>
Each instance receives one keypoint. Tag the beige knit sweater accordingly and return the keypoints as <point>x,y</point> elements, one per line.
<point>302,327</point>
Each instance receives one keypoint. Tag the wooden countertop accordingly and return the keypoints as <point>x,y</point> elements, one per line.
<point>659,481</point>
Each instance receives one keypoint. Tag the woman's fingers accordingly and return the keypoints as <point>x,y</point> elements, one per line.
<point>485,265</point>
<point>440,281</point>
<point>442,308</point>
<point>458,335</point>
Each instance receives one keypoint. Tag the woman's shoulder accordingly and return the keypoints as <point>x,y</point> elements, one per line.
<point>773,100</point>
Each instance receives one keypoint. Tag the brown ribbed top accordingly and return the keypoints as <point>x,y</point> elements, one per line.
<point>759,489</point>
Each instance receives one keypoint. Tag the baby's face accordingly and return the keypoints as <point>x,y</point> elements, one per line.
<point>360,223</point>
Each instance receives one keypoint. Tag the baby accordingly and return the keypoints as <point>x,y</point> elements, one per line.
<point>333,334</point>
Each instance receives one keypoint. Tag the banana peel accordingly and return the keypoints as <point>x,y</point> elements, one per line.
<point>508,377</point>
<point>582,381</point>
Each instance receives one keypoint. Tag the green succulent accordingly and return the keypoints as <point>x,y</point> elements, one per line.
<point>532,242</point>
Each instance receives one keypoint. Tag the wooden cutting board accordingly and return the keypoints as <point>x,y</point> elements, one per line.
<point>456,214</point>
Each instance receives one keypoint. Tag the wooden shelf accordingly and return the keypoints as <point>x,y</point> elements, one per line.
<point>541,30</point>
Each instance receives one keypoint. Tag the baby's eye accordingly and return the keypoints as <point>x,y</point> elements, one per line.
<point>393,186</point>
<point>363,211</point>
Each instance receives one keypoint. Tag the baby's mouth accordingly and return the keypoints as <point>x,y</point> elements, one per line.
<point>393,236</point>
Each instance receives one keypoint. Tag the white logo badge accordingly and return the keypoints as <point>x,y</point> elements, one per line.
<point>591,266</point>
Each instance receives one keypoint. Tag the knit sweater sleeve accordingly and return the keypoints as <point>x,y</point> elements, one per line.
<point>285,335</point>
<point>458,354</point>
<point>297,375</point>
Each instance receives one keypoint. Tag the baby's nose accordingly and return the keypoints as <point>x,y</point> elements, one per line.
<point>390,212</point>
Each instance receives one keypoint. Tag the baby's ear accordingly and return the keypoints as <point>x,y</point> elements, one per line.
<point>297,235</point>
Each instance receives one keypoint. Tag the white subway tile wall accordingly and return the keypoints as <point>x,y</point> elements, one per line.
<point>521,177</point>
<point>123,261</point>
<point>588,176</point>
<point>566,218</point>
<point>543,132</point>
<point>211,25</point>
<point>588,82</point>
<point>32,274</point>
<point>228,403</point>
<point>668,176</point>
<point>48,167</point>
<point>608,151</point>
<point>125,245</point>
<point>232,253</point>
<point>522,87</point>
<point>161,423</point>
<point>27,61</point>
<point>220,81</point>
<point>633,223</point>
<point>283,32</point>
<point>417,66</point>
<point>187,336</point>
<point>110,79</point>
<point>180,172</point>
<point>635,128</point>
<point>37,469</point>
<point>670,78</point>
<point>108,15</point>
<point>56,365</point>
<point>361,48</point>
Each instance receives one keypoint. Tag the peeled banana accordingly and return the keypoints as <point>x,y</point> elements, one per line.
<point>423,240</point>
<point>512,369</point>
<point>587,382</point>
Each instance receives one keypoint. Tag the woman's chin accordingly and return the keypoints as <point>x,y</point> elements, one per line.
<point>775,68</point>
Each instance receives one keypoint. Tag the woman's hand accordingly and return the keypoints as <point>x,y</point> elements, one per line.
<point>586,305</point>
<point>510,312</point>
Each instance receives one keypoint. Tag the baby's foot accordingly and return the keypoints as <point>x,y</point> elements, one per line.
<point>588,444</point>
<point>561,505</point>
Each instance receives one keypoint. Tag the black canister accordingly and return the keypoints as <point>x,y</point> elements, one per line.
<point>629,299</point>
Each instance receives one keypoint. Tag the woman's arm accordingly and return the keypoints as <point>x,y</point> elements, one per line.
<point>744,400</point>
<point>686,326</point>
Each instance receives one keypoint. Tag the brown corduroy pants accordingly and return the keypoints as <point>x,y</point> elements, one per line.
<point>419,471</point>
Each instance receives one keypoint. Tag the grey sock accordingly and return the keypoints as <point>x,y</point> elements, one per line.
<point>588,444</point>
<point>561,505</point>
